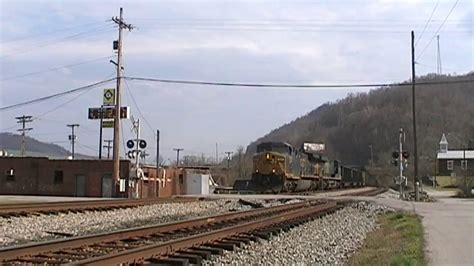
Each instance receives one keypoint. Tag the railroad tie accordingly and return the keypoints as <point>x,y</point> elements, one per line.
<point>231,242</point>
<point>195,259</point>
<point>225,246</point>
<point>202,253</point>
<point>169,261</point>
<point>213,250</point>
<point>239,239</point>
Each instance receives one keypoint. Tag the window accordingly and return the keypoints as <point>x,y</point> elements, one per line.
<point>464,164</point>
<point>181,179</point>
<point>450,165</point>
<point>58,177</point>
<point>10,175</point>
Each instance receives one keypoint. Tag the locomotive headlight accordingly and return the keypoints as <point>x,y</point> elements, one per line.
<point>268,156</point>
<point>273,170</point>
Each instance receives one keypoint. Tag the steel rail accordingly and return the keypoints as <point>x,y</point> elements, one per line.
<point>162,249</point>
<point>368,193</point>
<point>13,253</point>
<point>63,206</point>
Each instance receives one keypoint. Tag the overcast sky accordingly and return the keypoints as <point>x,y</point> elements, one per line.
<point>297,42</point>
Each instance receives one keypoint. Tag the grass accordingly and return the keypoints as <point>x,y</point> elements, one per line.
<point>398,241</point>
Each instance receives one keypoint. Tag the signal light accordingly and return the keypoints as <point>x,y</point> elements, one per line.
<point>405,155</point>
<point>395,154</point>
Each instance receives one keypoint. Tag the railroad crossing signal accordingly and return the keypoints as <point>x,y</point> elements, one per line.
<point>132,154</point>
<point>396,158</point>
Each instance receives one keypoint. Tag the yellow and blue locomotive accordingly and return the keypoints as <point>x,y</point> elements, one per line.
<point>279,167</point>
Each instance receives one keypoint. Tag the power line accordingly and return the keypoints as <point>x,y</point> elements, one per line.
<point>55,68</point>
<point>56,95</point>
<point>437,31</point>
<point>49,32</point>
<point>138,107</point>
<point>261,85</point>
<point>229,84</point>
<point>276,28</point>
<point>427,22</point>
<point>85,34</point>
<point>66,103</point>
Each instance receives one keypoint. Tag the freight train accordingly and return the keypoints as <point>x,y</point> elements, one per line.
<point>279,167</point>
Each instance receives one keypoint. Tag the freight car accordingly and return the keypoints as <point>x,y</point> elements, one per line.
<point>279,167</point>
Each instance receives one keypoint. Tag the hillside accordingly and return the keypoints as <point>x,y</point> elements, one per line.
<point>12,144</point>
<point>350,125</point>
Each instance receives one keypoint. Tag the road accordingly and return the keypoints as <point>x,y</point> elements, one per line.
<point>448,225</point>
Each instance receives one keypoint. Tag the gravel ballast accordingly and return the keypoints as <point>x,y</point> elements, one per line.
<point>20,230</point>
<point>328,240</point>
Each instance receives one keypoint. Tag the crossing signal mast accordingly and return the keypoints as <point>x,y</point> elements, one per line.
<point>400,160</point>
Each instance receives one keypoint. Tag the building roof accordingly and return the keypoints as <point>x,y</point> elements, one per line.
<point>456,154</point>
<point>443,140</point>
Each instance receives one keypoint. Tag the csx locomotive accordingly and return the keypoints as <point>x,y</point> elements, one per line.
<point>279,167</point>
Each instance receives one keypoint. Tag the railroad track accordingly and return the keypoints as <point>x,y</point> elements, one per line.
<point>368,193</point>
<point>186,241</point>
<point>29,209</point>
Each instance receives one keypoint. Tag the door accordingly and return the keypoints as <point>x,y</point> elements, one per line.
<point>80,186</point>
<point>106,186</point>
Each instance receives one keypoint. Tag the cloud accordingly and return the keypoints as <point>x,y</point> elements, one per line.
<point>246,41</point>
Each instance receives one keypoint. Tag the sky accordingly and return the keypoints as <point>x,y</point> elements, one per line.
<point>48,47</point>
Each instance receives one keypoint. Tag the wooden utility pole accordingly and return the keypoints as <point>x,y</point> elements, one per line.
<point>228,153</point>
<point>23,120</point>
<point>438,62</point>
<point>157,149</point>
<point>108,147</point>
<point>72,137</point>
<point>415,148</point>
<point>177,155</point>
<point>116,148</point>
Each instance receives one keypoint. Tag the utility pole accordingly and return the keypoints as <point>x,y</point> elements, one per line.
<point>108,147</point>
<point>467,192</point>
<point>228,153</point>
<point>371,155</point>
<point>439,70</point>
<point>157,161</point>
<point>177,155</point>
<point>100,131</point>
<point>116,153</point>
<point>415,149</point>
<point>23,120</point>
<point>72,137</point>
<point>400,161</point>
<point>217,155</point>
<point>157,150</point>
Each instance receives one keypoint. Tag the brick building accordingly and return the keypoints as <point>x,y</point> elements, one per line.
<point>43,176</point>
<point>90,178</point>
